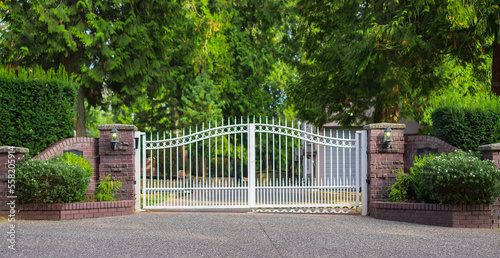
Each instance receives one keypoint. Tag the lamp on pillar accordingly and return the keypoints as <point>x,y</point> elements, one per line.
<point>115,137</point>
<point>387,137</point>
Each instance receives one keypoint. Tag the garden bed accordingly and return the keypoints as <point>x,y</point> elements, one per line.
<point>457,216</point>
<point>58,211</point>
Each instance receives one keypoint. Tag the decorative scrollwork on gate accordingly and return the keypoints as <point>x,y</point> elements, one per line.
<point>196,137</point>
<point>307,136</point>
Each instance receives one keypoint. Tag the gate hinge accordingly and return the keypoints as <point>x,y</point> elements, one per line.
<point>368,181</point>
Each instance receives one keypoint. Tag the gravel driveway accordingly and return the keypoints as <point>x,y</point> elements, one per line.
<point>212,234</point>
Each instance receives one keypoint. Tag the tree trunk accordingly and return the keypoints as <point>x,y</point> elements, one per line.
<point>70,63</point>
<point>495,68</point>
<point>81,130</point>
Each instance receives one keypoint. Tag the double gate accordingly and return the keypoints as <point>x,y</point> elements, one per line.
<point>263,166</point>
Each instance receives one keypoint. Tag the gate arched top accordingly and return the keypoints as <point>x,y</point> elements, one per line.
<point>304,135</point>
<point>310,137</point>
<point>197,136</point>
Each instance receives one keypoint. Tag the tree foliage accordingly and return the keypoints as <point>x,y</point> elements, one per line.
<point>358,60</point>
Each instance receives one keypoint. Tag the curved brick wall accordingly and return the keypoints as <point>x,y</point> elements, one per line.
<point>90,148</point>
<point>415,142</point>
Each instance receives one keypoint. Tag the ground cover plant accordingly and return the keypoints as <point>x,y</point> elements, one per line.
<point>454,178</point>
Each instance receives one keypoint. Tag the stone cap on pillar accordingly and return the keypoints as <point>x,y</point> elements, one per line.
<point>383,126</point>
<point>119,127</point>
<point>16,150</point>
<point>489,147</point>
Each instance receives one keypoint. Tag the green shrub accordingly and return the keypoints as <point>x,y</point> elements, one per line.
<point>74,159</point>
<point>398,192</point>
<point>457,178</point>
<point>406,187</point>
<point>466,128</point>
<point>51,181</point>
<point>37,108</point>
<point>106,190</point>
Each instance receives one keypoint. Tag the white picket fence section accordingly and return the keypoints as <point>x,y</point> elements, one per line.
<point>253,164</point>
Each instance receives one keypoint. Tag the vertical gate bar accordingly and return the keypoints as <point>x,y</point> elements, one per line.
<point>222,149</point>
<point>337,154</point>
<point>286,160</point>
<point>343,157</point>
<point>279,150</point>
<point>273,158</point>
<point>162,193</point>
<point>324,159</point>
<point>311,168</point>
<point>170,161</point>
<point>209,156</point>
<point>304,161</point>
<point>299,156</point>
<point>177,160</point>
<point>364,191</point>
<point>331,160</point>
<point>260,151</point>
<point>190,163</point>
<point>164,162</point>
<point>215,154</point>
<point>267,151</point>
<point>151,166</point>
<point>183,157</point>
<point>157,160</point>
<point>144,177</point>
<point>241,150</point>
<point>229,154</point>
<point>350,165</point>
<point>317,164</point>
<point>235,157</point>
<point>251,165</point>
<point>293,156</point>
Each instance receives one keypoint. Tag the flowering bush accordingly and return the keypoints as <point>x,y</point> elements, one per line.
<point>456,178</point>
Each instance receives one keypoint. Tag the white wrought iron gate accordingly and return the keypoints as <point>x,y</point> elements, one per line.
<point>261,165</point>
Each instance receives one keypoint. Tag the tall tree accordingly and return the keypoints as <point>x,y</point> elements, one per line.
<point>232,44</point>
<point>358,60</point>
<point>118,47</point>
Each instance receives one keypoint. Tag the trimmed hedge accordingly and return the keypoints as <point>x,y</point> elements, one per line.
<point>466,128</point>
<point>37,108</point>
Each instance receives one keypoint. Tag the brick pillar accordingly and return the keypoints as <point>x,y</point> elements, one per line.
<point>118,163</point>
<point>383,163</point>
<point>491,152</point>
<point>9,156</point>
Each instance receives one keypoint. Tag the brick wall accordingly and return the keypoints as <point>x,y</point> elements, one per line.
<point>118,163</point>
<point>105,161</point>
<point>8,159</point>
<point>88,145</point>
<point>423,142</point>
<point>383,163</point>
<point>68,211</point>
<point>458,216</point>
<point>491,152</point>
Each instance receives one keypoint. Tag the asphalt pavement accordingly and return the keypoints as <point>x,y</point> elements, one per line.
<point>217,234</point>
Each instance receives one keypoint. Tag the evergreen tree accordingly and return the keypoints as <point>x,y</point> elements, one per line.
<point>118,47</point>
<point>358,60</point>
